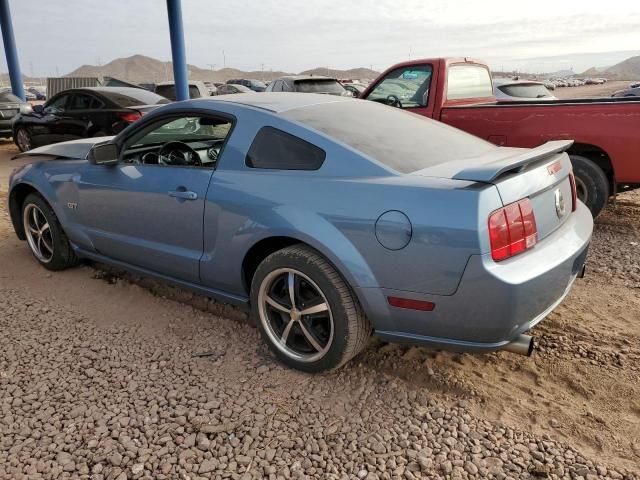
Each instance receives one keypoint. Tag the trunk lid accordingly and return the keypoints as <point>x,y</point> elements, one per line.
<point>541,174</point>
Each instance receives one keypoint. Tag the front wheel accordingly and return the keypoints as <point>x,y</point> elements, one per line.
<point>23,139</point>
<point>592,185</point>
<point>47,241</point>
<point>306,313</point>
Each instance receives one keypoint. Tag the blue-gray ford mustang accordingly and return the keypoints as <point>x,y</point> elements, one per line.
<point>330,218</point>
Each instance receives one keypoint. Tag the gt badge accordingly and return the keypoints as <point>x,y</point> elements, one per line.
<point>72,206</point>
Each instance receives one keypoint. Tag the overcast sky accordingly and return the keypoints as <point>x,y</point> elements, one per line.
<point>58,36</point>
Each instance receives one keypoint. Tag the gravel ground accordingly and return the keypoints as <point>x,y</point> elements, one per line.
<point>104,376</point>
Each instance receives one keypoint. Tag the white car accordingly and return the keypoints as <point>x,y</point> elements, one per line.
<point>167,90</point>
<point>518,90</point>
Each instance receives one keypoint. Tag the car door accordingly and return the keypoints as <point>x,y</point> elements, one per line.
<point>48,126</point>
<point>148,213</point>
<point>407,88</point>
<point>79,116</point>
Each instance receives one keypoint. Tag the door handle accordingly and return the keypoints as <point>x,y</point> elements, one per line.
<point>183,194</point>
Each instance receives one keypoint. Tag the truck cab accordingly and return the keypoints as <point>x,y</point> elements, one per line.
<point>459,92</point>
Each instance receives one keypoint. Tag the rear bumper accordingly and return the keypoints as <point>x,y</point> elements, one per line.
<point>495,302</point>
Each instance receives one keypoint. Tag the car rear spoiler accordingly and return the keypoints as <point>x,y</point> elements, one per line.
<point>489,171</point>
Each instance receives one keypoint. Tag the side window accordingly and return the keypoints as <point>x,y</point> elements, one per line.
<point>468,81</point>
<point>80,101</point>
<point>97,104</point>
<point>187,141</point>
<point>404,87</point>
<point>275,149</point>
<point>57,105</point>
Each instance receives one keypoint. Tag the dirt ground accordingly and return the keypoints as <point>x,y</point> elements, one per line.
<point>98,380</point>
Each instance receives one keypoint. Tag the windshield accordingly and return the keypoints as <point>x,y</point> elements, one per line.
<point>187,129</point>
<point>8,97</point>
<point>525,90</point>
<point>132,97</point>
<point>319,86</point>
<point>404,141</point>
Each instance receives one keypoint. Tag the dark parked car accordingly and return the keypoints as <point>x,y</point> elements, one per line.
<point>82,113</point>
<point>38,94</point>
<point>10,106</point>
<point>308,84</point>
<point>250,83</point>
<point>227,88</point>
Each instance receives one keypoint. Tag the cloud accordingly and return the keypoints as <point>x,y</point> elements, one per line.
<point>292,36</point>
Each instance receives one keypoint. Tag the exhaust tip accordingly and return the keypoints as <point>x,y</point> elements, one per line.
<point>523,345</point>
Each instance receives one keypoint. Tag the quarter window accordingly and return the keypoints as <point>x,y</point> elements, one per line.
<point>468,81</point>
<point>275,149</point>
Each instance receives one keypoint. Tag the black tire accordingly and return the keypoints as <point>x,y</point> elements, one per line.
<point>23,140</point>
<point>62,255</point>
<point>351,329</point>
<point>591,183</point>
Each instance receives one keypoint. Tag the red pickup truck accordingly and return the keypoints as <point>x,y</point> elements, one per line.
<point>606,132</point>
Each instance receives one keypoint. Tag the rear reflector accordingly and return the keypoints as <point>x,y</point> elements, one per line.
<point>411,304</point>
<point>130,117</point>
<point>512,229</point>
<point>574,192</point>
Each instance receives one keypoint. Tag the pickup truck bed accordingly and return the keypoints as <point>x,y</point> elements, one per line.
<point>459,92</point>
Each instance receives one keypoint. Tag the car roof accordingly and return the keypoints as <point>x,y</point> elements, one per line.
<point>110,89</point>
<point>299,78</point>
<point>278,102</point>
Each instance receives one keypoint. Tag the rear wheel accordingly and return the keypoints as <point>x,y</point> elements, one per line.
<point>23,139</point>
<point>306,313</point>
<point>45,237</point>
<point>592,184</point>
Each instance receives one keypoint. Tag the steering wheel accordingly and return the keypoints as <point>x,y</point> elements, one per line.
<point>394,101</point>
<point>178,153</point>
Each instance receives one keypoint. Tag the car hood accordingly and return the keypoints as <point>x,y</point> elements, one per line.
<point>73,149</point>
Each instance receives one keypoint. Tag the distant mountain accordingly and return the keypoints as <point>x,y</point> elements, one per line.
<point>628,69</point>
<point>353,73</point>
<point>142,69</point>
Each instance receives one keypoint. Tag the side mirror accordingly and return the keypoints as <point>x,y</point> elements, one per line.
<point>104,154</point>
<point>38,108</point>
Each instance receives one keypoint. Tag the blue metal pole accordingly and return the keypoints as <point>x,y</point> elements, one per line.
<point>10,49</point>
<point>174,12</point>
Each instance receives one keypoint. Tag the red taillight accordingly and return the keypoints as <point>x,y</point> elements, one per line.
<point>512,229</point>
<point>411,304</point>
<point>130,117</point>
<point>574,192</point>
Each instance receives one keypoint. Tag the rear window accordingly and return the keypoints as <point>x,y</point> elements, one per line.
<point>403,141</point>
<point>169,91</point>
<point>132,97</point>
<point>525,90</point>
<point>319,86</point>
<point>275,149</point>
<point>468,81</point>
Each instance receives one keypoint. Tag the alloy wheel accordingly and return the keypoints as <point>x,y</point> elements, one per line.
<point>23,140</point>
<point>295,315</point>
<point>38,233</point>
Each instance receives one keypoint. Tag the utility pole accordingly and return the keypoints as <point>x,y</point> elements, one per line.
<point>212,66</point>
<point>224,60</point>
